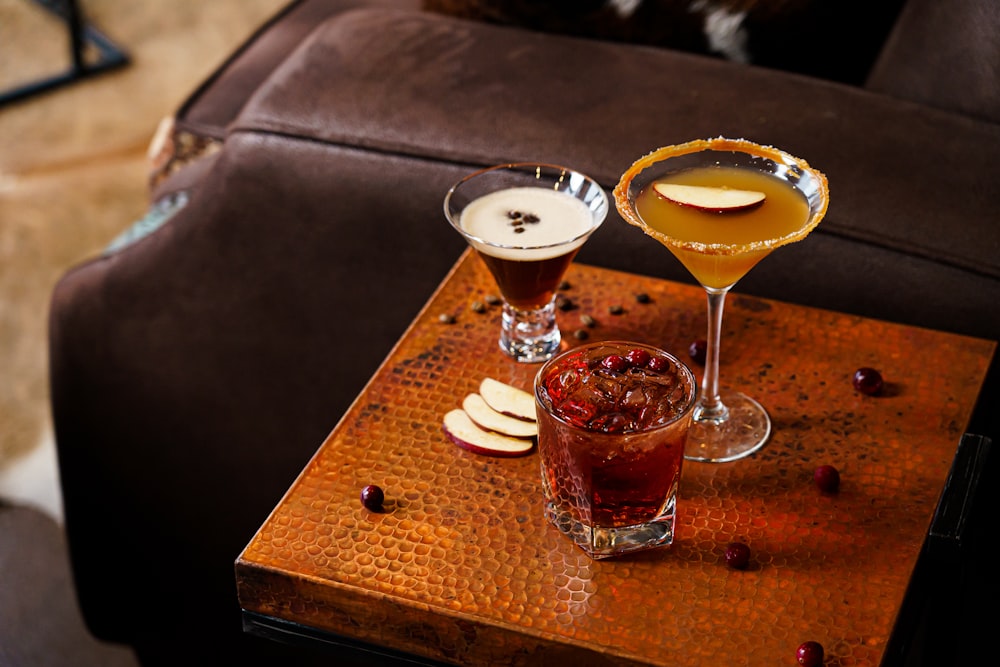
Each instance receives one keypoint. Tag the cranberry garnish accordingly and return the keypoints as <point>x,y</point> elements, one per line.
<point>810,654</point>
<point>614,362</point>
<point>737,555</point>
<point>868,381</point>
<point>827,478</point>
<point>658,364</point>
<point>372,497</point>
<point>637,357</point>
<point>697,351</point>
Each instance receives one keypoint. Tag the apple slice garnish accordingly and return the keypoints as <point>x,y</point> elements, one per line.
<point>486,417</point>
<point>463,432</point>
<point>508,400</point>
<point>709,198</point>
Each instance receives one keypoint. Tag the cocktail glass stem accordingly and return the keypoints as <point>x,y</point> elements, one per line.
<point>710,406</point>
<point>529,336</point>
<point>725,426</point>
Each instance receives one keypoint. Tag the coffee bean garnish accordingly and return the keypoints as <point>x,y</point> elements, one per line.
<point>478,307</point>
<point>642,297</point>
<point>588,321</point>
<point>518,219</point>
<point>581,334</point>
<point>564,285</point>
<point>492,300</point>
<point>445,318</point>
<point>616,309</point>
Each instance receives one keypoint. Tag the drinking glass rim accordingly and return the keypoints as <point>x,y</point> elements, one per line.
<point>691,380</point>
<point>598,217</point>
<point>626,207</point>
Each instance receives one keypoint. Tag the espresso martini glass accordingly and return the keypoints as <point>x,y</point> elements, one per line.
<point>720,206</point>
<point>527,221</point>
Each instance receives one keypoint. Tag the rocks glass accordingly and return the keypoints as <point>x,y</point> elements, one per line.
<point>613,418</point>
<point>527,221</point>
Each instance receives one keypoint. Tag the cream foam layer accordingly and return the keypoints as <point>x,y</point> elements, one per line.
<point>563,222</point>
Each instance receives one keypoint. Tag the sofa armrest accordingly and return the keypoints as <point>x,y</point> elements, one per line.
<point>945,55</point>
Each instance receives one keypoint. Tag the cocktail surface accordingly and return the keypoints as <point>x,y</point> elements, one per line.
<point>719,247</point>
<point>600,390</point>
<point>527,223</point>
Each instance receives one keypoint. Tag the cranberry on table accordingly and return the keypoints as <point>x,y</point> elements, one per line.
<point>868,381</point>
<point>827,478</point>
<point>697,351</point>
<point>810,654</point>
<point>372,497</point>
<point>737,555</point>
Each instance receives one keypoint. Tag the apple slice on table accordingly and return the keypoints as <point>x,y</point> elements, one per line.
<point>508,400</point>
<point>487,418</point>
<point>709,198</point>
<point>463,432</point>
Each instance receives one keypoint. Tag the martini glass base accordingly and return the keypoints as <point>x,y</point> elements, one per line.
<point>742,433</point>
<point>530,336</point>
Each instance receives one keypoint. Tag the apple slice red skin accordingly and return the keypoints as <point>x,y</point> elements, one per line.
<point>507,399</point>
<point>489,419</point>
<point>462,431</point>
<point>750,198</point>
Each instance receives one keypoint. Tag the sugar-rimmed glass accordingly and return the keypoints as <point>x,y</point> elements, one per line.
<point>719,247</point>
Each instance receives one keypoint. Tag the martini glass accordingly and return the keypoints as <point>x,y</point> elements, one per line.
<point>527,221</point>
<point>720,206</point>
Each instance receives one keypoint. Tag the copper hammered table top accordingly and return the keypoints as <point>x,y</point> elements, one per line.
<point>463,568</point>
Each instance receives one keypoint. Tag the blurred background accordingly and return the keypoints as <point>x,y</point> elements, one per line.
<point>74,174</point>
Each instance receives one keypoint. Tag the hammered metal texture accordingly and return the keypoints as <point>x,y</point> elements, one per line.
<point>462,567</point>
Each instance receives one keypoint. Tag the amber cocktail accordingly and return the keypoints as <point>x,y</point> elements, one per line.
<point>720,206</point>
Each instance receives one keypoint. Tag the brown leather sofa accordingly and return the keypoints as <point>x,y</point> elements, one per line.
<point>297,229</point>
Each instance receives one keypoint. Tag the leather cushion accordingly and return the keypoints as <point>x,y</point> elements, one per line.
<point>945,55</point>
<point>212,106</point>
<point>906,181</point>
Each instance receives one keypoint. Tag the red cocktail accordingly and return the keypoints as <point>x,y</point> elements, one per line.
<point>613,418</point>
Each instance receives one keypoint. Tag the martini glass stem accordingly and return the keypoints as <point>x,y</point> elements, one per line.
<point>710,406</point>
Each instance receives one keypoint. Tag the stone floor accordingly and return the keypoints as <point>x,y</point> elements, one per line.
<point>73,175</point>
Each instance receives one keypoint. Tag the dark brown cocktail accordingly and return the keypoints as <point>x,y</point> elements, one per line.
<point>527,222</point>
